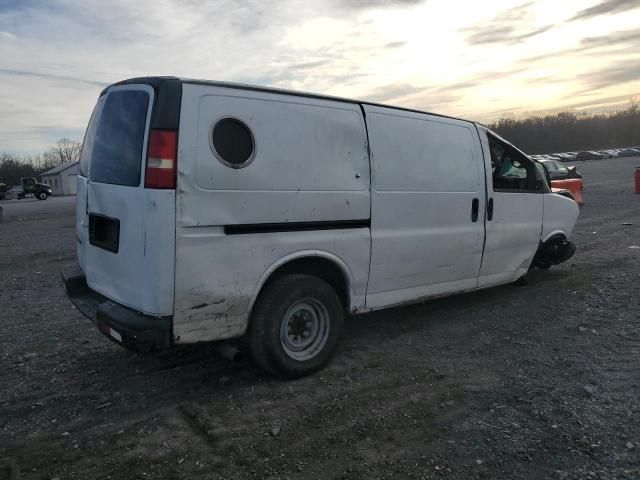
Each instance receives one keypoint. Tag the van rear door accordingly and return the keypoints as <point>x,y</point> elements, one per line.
<point>126,232</point>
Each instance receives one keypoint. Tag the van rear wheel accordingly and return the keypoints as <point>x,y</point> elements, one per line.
<point>295,326</point>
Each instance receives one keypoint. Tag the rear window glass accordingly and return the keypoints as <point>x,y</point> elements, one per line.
<point>112,150</point>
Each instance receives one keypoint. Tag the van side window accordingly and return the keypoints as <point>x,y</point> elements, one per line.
<point>512,171</point>
<point>232,142</point>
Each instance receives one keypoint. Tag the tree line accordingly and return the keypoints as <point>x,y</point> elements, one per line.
<point>570,131</point>
<point>14,167</point>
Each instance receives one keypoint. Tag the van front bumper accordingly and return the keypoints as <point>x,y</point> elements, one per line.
<point>553,252</point>
<point>128,328</point>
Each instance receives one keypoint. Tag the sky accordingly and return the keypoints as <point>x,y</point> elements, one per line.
<point>479,60</point>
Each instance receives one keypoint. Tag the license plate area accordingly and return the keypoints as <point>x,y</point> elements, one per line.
<point>104,232</point>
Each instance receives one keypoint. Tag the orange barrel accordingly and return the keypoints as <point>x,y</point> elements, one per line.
<point>637,179</point>
<point>574,185</point>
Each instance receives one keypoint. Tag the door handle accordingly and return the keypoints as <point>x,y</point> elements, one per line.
<point>475,205</point>
<point>490,209</point>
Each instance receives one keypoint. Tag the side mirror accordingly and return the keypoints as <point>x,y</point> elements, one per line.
<point>572,168</point>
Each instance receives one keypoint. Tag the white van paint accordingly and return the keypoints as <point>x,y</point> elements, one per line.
<point>426,172</point>
<point>397,202</point>
<point>141,274</point>
<point>311,164</point>
<point>513,234</point>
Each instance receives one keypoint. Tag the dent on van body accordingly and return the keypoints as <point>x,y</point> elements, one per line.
<point>560,216</point>
<point>218,276</point>
<point>321,176</point>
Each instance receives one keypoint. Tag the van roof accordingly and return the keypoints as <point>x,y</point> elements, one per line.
<point>157,80</point>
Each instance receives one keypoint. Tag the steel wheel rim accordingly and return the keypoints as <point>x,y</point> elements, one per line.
<point>304,330</point>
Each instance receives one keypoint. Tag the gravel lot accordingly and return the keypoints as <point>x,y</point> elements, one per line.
<point>541,381</point>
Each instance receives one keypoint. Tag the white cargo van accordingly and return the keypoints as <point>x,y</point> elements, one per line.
<point>209,211</point>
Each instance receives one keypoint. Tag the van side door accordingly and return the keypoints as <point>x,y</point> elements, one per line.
<point>427,195</point>
<point>514,211</point>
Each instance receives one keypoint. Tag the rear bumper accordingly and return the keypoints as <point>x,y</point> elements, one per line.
<point>128,328</point>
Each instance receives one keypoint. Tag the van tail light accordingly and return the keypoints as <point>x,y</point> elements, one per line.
<point>162,159</point>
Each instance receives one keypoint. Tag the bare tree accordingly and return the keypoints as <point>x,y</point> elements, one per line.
<point>572,131</point>
<point>63,151</point>
<point>14,167</point>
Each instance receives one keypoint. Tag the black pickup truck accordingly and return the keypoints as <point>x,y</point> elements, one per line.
<point>28,186</point>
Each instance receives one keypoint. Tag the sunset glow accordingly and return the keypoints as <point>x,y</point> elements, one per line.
<point>477,60</point>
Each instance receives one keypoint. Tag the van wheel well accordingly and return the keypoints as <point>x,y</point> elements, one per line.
<point>319,267</point>
<point>555,250</point>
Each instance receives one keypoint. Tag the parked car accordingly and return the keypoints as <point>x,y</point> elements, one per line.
<point>610,153</point>
<point>237,211</point>
<point>558,171</point>
<point>629,152</point>
<point>589,155</point>
<point>565,157</point>
<point>548,156</point>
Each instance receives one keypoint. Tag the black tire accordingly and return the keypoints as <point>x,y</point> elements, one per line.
<point>285,303</point>
<point>41,195</point>
<point>523,281</point>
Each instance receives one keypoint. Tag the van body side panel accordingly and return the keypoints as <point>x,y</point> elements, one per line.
<point>514,232</point>
<point>310,165</point>
<point>426,173</point>
<point>311,161</point>
<point>218,276</point>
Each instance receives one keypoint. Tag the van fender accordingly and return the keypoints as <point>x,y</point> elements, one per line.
<point>346,271</point>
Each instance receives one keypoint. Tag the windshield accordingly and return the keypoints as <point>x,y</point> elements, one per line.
<point>112,149</point>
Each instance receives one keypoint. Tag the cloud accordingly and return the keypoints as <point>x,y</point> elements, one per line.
<point>506,34</point>
<point>366,4</point>
<point>56,56</point>
<point>312,64</point>
<point>28,73</point>
<point>393,93</point>
<point>622,72</point>
<point>605,8</point>
<point>622,38</point>
<point>398,44</point>
<point>509,27</point>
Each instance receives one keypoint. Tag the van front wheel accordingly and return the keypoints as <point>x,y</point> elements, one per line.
<point>295,326</point>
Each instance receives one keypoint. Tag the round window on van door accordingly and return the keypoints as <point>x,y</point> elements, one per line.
<point>232,143</point>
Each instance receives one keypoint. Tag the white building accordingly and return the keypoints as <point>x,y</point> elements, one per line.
<point>62,178</point>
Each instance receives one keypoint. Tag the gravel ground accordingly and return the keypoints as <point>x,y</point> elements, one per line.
<point>541,381</point>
